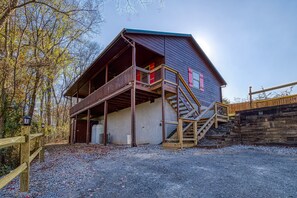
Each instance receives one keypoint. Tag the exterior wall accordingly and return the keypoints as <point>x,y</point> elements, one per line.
<point>180,54</point>
<point>154,43</point>
<point>148,119</point>
<point>269,125</point>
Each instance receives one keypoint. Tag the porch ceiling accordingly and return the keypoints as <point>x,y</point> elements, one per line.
<point>120,102</point>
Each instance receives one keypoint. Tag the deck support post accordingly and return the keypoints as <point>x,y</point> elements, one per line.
<point>105,111</point>
<point>133,124</point>
<point>163,106</point>
<point>88,127</point>
<point>133,92</point>
<point>75,129</point>
<point>70,131</point>
<point>70,126</point>
<point>105,122</point>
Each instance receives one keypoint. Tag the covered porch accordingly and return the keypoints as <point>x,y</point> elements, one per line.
<point>113,82</point>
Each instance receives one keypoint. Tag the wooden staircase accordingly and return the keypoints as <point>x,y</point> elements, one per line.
<point>192,127</point>
<point>192,122</point>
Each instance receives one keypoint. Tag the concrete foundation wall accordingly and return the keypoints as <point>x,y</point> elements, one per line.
<point>270,125</point>
<point>148,123</point>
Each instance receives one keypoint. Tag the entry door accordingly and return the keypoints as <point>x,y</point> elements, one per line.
<point>81,131</point>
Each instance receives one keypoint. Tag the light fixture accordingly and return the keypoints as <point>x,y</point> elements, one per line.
<point>27,120</point>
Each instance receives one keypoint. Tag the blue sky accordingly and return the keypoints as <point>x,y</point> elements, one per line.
<point>252,42</point>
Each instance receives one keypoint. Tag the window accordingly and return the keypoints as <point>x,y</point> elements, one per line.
<point>196,80</point>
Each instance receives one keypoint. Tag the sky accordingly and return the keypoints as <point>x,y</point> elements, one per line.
<point>251,42</point>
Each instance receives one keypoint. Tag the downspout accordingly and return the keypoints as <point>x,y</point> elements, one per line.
<point>132,44</point>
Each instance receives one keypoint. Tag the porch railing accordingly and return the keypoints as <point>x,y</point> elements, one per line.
<point>110,87</point>
<point>172,78</point>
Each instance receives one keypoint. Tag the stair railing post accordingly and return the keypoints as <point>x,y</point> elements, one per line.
<point>195,132</point>
<point>180,132</point>
<point>177,96</point>
<point>216,115</point>
<point>25,156</point>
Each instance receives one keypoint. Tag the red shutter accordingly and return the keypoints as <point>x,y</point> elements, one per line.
<point>201,82</point>
<point>190,71</point>
<point>152,75</point>
<point>138,76</point>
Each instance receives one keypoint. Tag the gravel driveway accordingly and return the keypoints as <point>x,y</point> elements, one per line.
<point>151,171</point>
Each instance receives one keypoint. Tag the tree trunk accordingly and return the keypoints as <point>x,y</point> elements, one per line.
<point>34,94</point>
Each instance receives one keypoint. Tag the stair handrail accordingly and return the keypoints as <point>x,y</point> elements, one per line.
<point>206,123</point>
<point>188,100</point>
<point>200,116</point>
<point>180,77</point>
<point>206,110</point>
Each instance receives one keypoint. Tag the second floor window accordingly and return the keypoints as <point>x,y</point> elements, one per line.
<point>196,80</point>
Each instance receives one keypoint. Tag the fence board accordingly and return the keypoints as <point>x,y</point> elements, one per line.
<point>5,142</point>
<point>13,174</point>
<point>32,157</point>
<point>262,103</point>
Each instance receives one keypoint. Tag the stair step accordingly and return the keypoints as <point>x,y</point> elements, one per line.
<point>171,145</point>
<point>172,140</point>
<point>189,136</point>
<point>188,139</point>
<point>171,97</point>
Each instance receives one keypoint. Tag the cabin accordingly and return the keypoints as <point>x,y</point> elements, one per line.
<point>147,87</point>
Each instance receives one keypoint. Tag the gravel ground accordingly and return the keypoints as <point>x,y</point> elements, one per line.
<point>151,171</point>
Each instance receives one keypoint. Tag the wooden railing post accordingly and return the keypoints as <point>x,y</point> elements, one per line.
<point>195,132</point>
<point>251,97</point>
<point>41,144</point>
<point>177,96</point>
<point>216,115</point>
<point>25,156</point>
<point>180,132</point>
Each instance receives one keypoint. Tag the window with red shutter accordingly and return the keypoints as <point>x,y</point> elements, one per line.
<point>196,79</point>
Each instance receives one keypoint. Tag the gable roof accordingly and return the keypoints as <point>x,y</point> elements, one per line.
<point>188,36</point>
<point>119,40</point>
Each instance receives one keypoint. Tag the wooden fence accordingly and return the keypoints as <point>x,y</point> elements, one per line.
<point>25,158</point>
<point>262,103</point>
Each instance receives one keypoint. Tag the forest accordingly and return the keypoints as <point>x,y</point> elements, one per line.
<point>44,46</point>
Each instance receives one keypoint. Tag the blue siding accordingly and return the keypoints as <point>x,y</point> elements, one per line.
<point>154,43</point>
<point>180,54</point>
